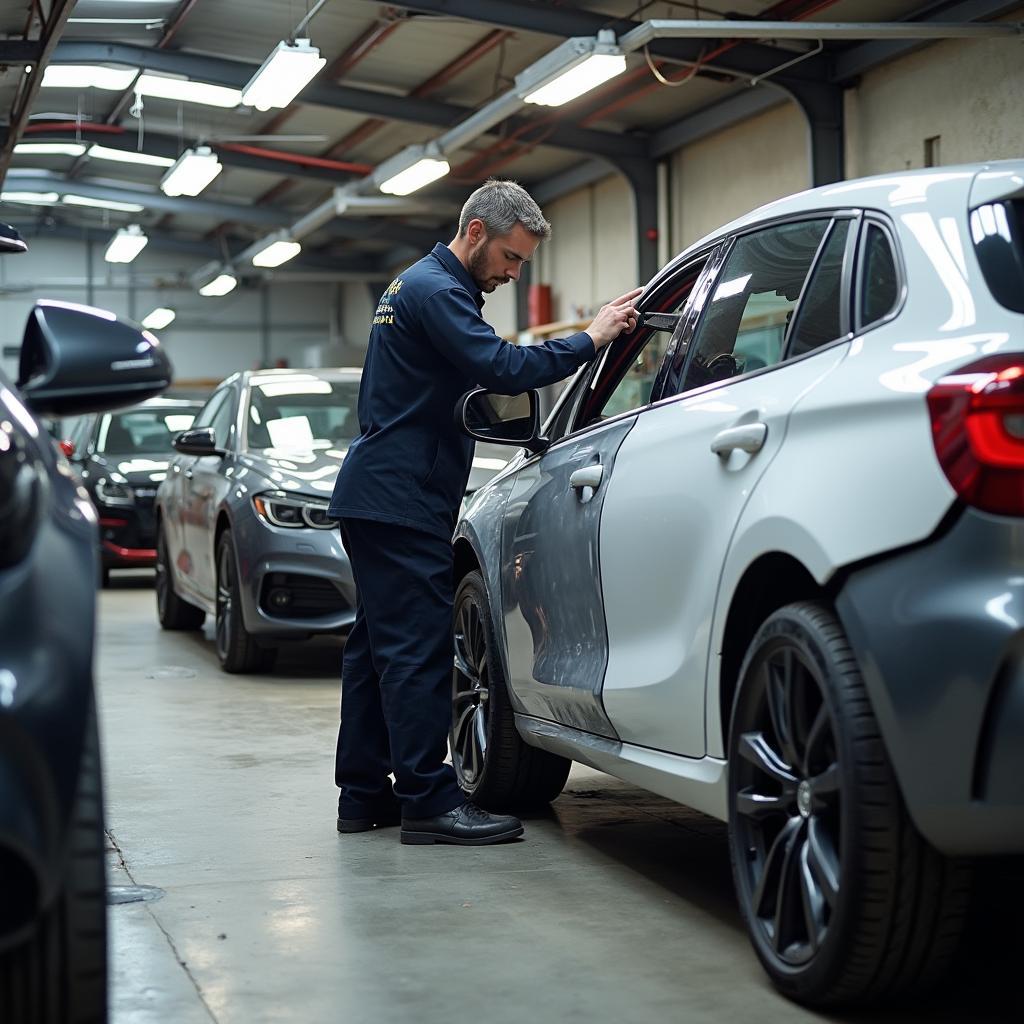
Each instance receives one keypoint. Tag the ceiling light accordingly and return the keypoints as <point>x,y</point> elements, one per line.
<point>126,245</point>
<point>88,76</point>
<point>284,74</point>
<point>220,285</point>
<point>191,172</point>
<point>276,253</point>
<point>50,148</point>
<point>410,170</point>
<point>103,204</point>
<point>30,198</point>
<point>158,319</point>
<point>128,156</point>
<point>187,92</point>
<point>570,70</point>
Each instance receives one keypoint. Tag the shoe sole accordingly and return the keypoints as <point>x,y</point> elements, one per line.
<point>351,826</point>
<point>431,838</point>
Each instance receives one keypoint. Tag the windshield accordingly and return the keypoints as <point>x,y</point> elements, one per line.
<point>143,430</point>
<point>303,413</point>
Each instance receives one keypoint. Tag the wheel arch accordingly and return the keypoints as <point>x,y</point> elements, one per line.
<point>465,558</point>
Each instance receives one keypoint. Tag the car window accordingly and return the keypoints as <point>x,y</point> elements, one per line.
<point>744,325</point>
<point>634,390</point>
<point>820,319</point>
<point>223,417</point>
<point>138,431</point>
<point>207,413</point>
<point>879,284</point>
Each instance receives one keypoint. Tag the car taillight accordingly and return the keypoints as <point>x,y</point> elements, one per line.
<point>977,418</point>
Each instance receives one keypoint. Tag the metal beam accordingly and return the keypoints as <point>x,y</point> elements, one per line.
<point>411,109</point>
<point>823,108</point>
<point>576,177</point>
<point>15,52</point>
<point>857,60</point>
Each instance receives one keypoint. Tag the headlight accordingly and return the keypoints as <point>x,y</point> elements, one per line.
<point>110,493</point>
<point>293,511</point>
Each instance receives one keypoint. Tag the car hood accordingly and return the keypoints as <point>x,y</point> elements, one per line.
<point>137,470</point>
<point>309,472</point>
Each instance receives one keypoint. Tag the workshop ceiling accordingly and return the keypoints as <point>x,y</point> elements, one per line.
<point>433,61</point>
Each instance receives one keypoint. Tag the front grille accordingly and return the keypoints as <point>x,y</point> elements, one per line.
<point>290,595</point>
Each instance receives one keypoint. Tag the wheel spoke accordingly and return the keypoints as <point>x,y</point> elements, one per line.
<point>472,752</point>
<point>816,735</point>
<point>481,733</point>
<point>822,862</point>
<point>768,884</point>
<point>779,695</point>
<point>825,786</point>
<point>759,805</point>
<point>787,909</point>
<point>812,899</point>
<point>757,750</point>
<point>459,727</point>
<point>463,661</point>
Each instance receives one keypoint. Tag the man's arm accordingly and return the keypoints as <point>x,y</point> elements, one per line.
<point>458,331</point>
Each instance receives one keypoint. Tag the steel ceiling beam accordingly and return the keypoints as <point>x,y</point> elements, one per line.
<point>413,110</point>
<point>16,52</point>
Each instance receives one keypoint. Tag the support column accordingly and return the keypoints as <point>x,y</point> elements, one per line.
<point>822,105</point>
<point>523,297</point>
<point>264,325</point>
<point>642,175</point>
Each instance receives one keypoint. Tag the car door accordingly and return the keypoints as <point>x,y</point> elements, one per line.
<point>551,579</point>
<point>691,461</point>
<point>206,484</point>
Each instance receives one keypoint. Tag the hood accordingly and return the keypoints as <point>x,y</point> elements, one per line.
<point>308,472</point>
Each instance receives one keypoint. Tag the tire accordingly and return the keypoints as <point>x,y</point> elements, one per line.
<point>237,648</point>
<point>843,900</point>
<point>172,611</point>
<point>103,577</point>
<point>59,974</point>
<point>494,767</point>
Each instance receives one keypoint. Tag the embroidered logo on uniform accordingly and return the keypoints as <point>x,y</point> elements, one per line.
<point>385,311</point>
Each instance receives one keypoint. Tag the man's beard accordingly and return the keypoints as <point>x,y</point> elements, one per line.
<point>478,271</point>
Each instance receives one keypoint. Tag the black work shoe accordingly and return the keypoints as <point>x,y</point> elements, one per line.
<point>467,825</point>
<point>348,825</point>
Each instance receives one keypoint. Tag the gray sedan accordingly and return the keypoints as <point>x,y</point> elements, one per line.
<point>243,532</point>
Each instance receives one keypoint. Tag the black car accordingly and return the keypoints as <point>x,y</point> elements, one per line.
<point>73,360</point>
<point>120,458</point>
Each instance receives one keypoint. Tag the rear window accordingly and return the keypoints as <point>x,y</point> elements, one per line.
<point>145,431</point>
<point>880,285</point>
<point>998,233</point>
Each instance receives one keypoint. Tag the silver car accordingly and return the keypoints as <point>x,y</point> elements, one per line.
<point>242,527</point>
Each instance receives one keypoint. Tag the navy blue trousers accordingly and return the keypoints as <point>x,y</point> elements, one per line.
<point>396,676</point>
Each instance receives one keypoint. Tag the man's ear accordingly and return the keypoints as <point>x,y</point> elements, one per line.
<point>476,231</point>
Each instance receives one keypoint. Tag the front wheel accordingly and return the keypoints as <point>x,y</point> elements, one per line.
<point>843,899</point>
<point>494,767</point>
<point>237,649</point>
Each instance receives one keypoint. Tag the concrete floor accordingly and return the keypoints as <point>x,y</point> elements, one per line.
<point>616,906</point>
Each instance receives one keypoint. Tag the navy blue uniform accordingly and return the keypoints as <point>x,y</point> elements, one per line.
<point>397,496</point>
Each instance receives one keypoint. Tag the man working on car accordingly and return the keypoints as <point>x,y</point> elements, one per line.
<point>397,496</point>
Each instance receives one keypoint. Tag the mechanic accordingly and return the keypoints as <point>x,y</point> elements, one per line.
<point>398,495</point>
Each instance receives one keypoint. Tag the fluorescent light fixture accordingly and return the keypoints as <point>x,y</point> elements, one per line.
<point>572,69</point>
<point>276,253</point>
<point>128,156</point>
<point>158,319</point>
<point>423,172</point>
<point>185,91</point>
<point>88,76</point>
<point>220,285</point>
<point>103,204</point>
<point>50,148</point>
<point>30,198</point>
<point>191,172</point>
<point>126,245</point>
<point>283,75</point>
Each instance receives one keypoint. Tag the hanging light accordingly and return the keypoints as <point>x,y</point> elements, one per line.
<point>276,252</point>
<point>158,319</point>
<point>191,172</point>
<point>220,285</point>
<point>126,244</point>
<point>283,75</point>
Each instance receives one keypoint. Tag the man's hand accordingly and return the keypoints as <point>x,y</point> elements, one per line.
<point>613,318</point>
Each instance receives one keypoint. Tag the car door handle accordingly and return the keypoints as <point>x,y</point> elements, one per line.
<point>748,438</point>
<point>588,476</point>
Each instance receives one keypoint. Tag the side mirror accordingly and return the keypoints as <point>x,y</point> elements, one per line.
<point>76,359</point>
<point>10,240</point>
<point>198,441</point>
<point>502,419</point>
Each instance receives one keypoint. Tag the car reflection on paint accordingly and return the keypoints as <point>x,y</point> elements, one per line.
<point>121,458</point>
<point>242,526</point>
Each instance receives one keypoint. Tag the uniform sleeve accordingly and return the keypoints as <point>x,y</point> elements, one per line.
<point>453,324</point>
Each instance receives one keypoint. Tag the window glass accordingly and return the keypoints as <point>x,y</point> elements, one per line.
<point>222,420</point>
<point>744,324</point>
<point>142,431</point>
<point>879,281</point>
<point>306,413</point>
<point>206,415</point>
<point>819,321</point>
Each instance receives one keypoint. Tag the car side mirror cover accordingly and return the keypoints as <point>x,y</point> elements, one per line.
<point>197,441</point>
<point>502,419</point>
<point>77,359</point>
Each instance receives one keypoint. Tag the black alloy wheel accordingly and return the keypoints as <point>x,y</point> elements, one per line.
<point>843,899</point>
<point>237,649</point>
<point>171,610</point>
<point>493,765</point>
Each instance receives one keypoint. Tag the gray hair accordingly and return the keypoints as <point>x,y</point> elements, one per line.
<point>501,205</point>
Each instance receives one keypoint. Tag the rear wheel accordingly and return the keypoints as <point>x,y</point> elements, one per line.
<point>495,768</point>
<point>172,611</point>
<point>843,899</point>
<point>59,975</point>
<point>237,648</point>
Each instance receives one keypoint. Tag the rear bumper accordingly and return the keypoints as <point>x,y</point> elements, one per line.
<point>939,635</point>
